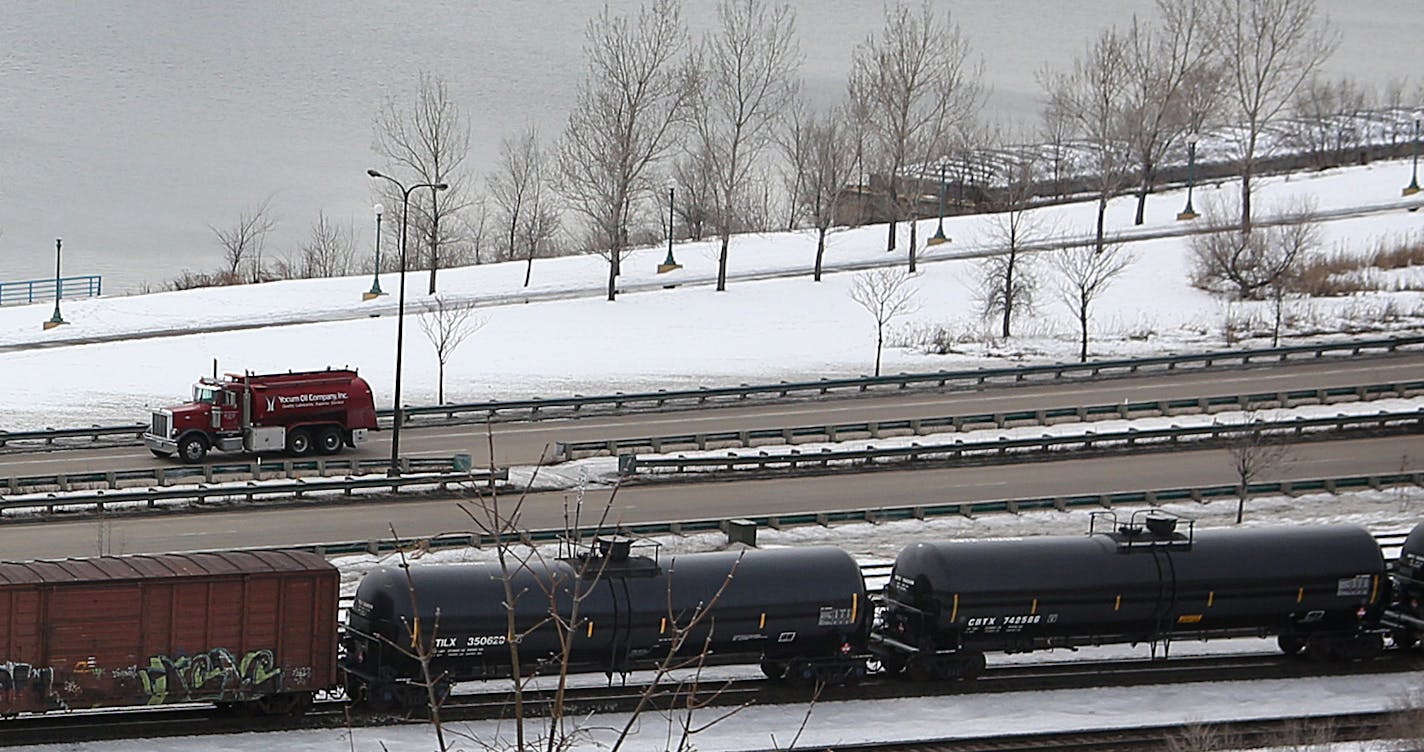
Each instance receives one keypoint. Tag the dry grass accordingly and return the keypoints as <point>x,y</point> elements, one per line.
<point>1339,273</point>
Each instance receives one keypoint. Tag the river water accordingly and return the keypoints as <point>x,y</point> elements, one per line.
<point>131,128</point>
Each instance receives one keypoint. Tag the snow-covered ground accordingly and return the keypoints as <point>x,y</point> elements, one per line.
<point>765,327</point>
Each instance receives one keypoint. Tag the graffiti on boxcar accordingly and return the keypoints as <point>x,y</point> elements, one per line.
<point>214,675</point>
<point>17,679</point>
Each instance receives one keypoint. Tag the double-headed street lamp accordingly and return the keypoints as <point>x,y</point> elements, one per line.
<point>1189,212</point>
<point>375,291</point>
<point>1413,186</point>
<point>400,309</point>
<point>56,319</point>
<point>669,263</point>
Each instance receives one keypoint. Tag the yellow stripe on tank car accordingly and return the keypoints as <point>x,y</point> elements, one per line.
<point>1300,595</point>
<point>662,625</point>
<point>762,624</point>
<point>954,611</point>
<point>1034,608</point>
<point>1117,604</point>
<point>590,629</point>
<point>1374,588</point>
<point>1210,598</point>
<point>854,606</point>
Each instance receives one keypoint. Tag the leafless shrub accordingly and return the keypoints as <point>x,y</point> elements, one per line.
<point>1254,453</point>
<point>1201,737</point>
<point>886,295</point>
<point>447,324</point>
<point>244,240</point>
<point>191,280</point>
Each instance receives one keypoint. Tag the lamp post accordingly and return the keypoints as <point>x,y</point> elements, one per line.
<point>669,263</point>
<point>375,291</point>
<point>939,236</point>
<point>1413,186</point>
<point>56,319</point>
<point>398,417</point>
<point>1188,212</point>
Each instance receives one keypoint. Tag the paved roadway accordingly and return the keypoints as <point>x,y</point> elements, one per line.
<point>372,519</point>
<point>523,443</point>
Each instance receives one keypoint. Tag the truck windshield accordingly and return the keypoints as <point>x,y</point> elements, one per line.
<point>205,394</point>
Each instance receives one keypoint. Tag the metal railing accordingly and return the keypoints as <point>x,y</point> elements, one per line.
<point>32,290</point>
<point>254,470</point>
<point>929,510</point>
<point>537,408</point>
<point>938,379</point>
<point>633,467</point>
<point>298,488</point>
<point>569,450</point>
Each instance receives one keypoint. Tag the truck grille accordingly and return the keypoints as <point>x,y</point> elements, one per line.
<point>160,425</point>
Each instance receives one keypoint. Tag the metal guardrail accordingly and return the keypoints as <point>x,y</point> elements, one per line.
<point>977,377</point>
<point>533,409</point>
<point>222,472</point>
<point>631,466</point>
<point>250,490</point>
<point>31,290</point>
<point>564,451</point>
<point>1200,494</point>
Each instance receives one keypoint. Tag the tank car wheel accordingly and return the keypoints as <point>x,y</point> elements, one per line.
<point>918,671</point>
<point>1365,647</point>
<point>1290,644</point>
<point>330,440</point>
<point>1324,649</point>
<point>193,449</point>
<point>1403,639</point>
<point>773,669</point>
<point>299,442</point>
<point>973,665</point>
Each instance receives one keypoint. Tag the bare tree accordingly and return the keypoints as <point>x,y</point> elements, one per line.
<point>1295,242</point>
<point>693,207</point>
<point>519,187</point>
<point>622,120</point>
<point>1254,453</point>
<point>885,294</point>
<point>1007,285</point>
<point>917,87</point>
<point>1094,97</point>
<point>1159,62</point>
<point>330,251</point>
<point>431,140</point>
<point>744,80</point>
<point>828,152</point>
<point>447,324</point>
<point>1084,274</point>
<point>1251,263</point>
<point>244,241</point>
<point>1326,124</point>
<point>1270,49</point>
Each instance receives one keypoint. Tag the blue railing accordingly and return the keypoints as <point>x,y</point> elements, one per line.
<point>31,290</point>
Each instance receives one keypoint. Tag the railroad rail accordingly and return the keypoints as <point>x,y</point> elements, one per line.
<point>564,451</point>
<point>491,700</point>
<point>632,467</point>
<point>539,408</point>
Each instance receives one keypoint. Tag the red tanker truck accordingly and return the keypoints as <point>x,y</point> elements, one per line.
<point>299,413</point>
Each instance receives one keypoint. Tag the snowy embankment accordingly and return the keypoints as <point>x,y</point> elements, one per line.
<point>765,327</point>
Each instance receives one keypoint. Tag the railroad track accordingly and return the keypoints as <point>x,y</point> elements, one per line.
<point>167,721</point>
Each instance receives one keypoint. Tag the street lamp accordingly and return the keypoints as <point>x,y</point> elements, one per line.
<point>375,291</point>
<point>400,310</point>
<point>1413,186</point>
<point>56,319</point>
<point>1188,212</point>
<point>939,236</point>
<point>670,263</point>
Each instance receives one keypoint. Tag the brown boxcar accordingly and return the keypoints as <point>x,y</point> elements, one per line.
<point>239,627</point>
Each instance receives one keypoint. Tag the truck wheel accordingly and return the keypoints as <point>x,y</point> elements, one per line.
<point>329,441</point>
<point>299,442</point>
<point>193,449</point>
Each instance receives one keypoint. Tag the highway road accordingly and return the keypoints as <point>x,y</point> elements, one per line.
<point>523,443</point>
<point>427,516</point>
